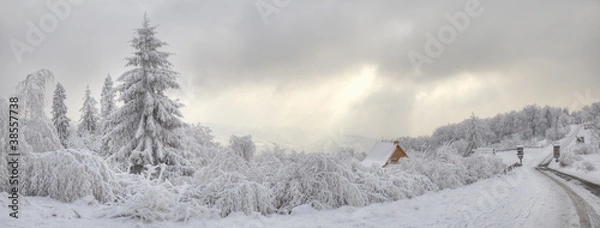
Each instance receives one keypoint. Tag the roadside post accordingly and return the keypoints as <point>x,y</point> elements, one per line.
<point>556,151</point>
<point>520,153</point>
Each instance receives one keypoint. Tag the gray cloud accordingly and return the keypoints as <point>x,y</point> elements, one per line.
<point>237,70</point>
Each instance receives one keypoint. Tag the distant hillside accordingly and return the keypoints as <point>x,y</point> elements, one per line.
<point>313,141</point>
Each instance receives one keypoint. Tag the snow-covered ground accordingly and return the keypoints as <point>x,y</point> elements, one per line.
<point>579,167</point>
<point>575,170</point>
<point>522,198</point>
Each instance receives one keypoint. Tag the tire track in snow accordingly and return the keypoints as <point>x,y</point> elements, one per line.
<point>588,217</point>
<point>591,187</point>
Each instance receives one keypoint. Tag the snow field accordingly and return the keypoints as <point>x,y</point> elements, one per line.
<point>580,159</point>
<point>229,184</point>
<point>521,198</point>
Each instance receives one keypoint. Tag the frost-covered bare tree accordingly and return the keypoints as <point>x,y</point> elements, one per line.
<point>557,121</point>
<point>88,122</point>
<point>31,93</point>
<point>37,133</point>
<point>591,118</point>
<point>144,133</point>
<point>531,116</point>
<point>242,146</point>
<point>474,135</point>
<point>591,115</point>
<point>59,114</point>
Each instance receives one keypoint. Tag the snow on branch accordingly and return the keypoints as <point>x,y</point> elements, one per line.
<point>67,175</point>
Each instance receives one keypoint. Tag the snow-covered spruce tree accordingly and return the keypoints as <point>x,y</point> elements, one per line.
<point>144,133</point>
<point>88,122</point>
<point>107,106</point>
<point>107,98</point>
<point>59,114</point>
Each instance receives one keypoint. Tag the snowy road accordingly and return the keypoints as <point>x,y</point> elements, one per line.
<point>588,217</point>
<point>591,187</point>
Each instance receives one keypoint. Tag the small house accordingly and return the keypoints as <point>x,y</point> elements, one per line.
<point>384,153</point>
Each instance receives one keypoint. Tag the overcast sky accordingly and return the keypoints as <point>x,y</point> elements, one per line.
<point>334,65</point>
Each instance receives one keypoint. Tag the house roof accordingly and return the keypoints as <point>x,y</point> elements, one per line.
<point>380,154</point>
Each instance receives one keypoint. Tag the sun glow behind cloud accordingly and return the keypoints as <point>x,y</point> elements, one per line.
<point>453,99</point>
<point>352,89</point>
<point>312,104</point>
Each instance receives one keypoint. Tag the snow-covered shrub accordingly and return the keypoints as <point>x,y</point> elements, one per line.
<point>460,145</point>
<point>233,192</point>
<point>197,144</point>
<point>326,181</point>
<point>587,166</point>
<point>38,135</point>
<point>359,156</point>
<point>231,184</point>
<point>442,174</point>
<point>447,169</point>
<point>567,160</point>
<point>444,167</point>
<point>280,181</point>
<point>202,134</point>
<point>508,142</point>
<point>393,183</point>
<point>67,175</point>
<point>321,180</point>
<point>420,143</point>
<point>243,146</point>
<point>585,149</point>
<point>482,167</point>
<point>85,141</point>
<point>154,200</point>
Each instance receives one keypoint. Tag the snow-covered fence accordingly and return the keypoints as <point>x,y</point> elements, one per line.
<point>511,167</point>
